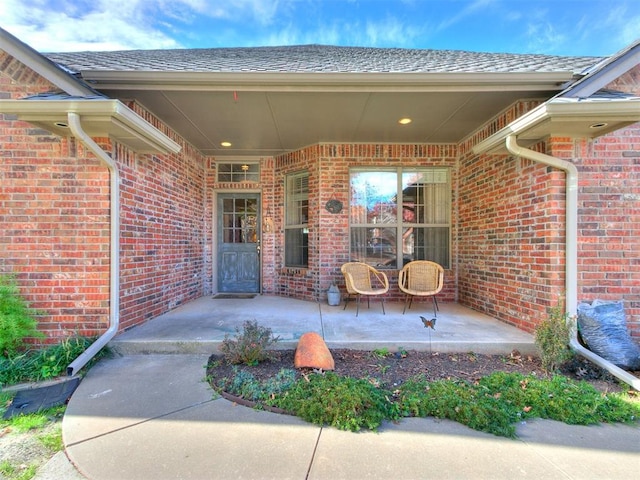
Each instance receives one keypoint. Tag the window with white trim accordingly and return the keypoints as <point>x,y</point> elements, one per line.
<point>236,172</point>
<point>296,225</point>
<point>399,215</point>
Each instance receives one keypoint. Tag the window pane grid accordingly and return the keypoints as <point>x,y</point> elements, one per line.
<point>296,220</point>
<point>398,216</point>
<point>238,172</point>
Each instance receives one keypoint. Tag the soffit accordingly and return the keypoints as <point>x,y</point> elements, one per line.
<point>267,121</point>
<point>271,100</point>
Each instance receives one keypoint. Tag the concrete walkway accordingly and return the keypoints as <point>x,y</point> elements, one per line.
<point>153,416</point>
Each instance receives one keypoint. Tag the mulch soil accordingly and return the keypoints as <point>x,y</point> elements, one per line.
<point>395,368</point>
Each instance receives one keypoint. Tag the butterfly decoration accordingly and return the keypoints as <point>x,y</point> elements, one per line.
<point>429,323</point>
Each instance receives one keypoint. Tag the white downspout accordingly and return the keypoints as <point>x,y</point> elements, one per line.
<point>114,269</point>
<point>571,272</point>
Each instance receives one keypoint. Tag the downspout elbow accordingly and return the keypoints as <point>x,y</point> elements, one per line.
<point>614,370</point>
<point>571,282</point>
<point>114,286</point>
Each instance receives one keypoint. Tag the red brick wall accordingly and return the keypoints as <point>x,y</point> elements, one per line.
<point>511,238</point>
<point>54,213</point>
<point>329,166</point>
<point>609,219</point>
<point>54,206</point>
<point>300,283</point>
<point>511,235</point>
<point>511,232</point>
<point>162,228</point>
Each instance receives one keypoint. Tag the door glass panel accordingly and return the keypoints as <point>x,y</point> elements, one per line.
<point>239,220</point>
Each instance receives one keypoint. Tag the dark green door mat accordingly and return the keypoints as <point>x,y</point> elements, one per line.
<point>233,295</point>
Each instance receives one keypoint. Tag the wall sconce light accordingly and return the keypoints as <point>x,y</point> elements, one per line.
<point>267,225</point>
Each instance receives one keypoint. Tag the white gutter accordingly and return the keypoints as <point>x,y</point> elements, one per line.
<point>571,274</point>
<point>326,81</point>
<point>114,274</point>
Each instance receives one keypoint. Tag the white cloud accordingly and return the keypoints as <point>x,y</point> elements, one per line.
<point>469,10</point>
<point>103,25</point>
<point>544,38</point>
<point>50,25</point>
<point>260,11</point>
<point>391,32</point>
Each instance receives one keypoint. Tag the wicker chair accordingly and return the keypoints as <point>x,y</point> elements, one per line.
<point>362,279</point>
<point>421,278</point>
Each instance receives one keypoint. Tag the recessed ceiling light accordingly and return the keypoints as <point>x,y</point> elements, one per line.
<point>599,125</point>
<point>225,144</point>
<point>404,121</point>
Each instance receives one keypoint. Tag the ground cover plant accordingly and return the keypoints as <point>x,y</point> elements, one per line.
<point>28,441</point>
<point>489,393</point>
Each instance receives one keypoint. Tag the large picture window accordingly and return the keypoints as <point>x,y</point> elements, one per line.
<point>296,228</point>
<point>399,215</point>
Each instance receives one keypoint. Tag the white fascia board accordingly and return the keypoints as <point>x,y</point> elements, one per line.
<point>562,115</point>
<point>106,118</point>
<point>266,81</point>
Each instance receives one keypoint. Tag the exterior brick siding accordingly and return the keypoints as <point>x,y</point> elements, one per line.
<point>54,206</point>
<point>329,166</point>
<point>511,231</point>
<point>55,222</point>
<point>508,219</point>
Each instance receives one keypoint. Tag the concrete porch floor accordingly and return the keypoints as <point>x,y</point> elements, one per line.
<point>200,326</point>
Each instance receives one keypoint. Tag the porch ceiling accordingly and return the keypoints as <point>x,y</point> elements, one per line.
<point>263,120</point>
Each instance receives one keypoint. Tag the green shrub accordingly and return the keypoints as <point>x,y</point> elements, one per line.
<point>16,318</point>
<point>249,346</point>
<point>342,402</point>
<point>552,338</point>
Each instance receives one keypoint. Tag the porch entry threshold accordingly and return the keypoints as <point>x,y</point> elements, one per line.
<point>241,296</point>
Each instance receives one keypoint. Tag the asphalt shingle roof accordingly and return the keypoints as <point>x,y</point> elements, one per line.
<point>318,59</point>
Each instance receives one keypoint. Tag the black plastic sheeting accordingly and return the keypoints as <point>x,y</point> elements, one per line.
<point>34,399</point>
<point>603,328</point>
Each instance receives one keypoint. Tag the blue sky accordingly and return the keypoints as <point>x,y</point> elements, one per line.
<point>557,27</point>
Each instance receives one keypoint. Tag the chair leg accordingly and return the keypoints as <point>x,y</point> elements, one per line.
<point>382,301</point>
<point>435,306</point>
<point>358,304</point>
<point>346,301</point>
<point>406,300</point>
